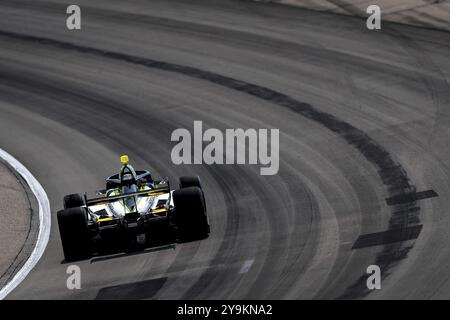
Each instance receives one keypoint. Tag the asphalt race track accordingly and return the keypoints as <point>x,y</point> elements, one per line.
<point>364,124</point>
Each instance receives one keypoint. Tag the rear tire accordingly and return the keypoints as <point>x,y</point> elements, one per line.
<point>74,234</point>
<point>73,201</point>
<point>190,214</point>
<point>187,182</point>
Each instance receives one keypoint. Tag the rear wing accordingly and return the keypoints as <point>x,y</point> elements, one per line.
<point>156,191</point>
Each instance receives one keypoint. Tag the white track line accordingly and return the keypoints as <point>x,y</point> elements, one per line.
<point>44,223</point>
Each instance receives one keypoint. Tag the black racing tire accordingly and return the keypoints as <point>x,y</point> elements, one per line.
<point>187,182</point>
<point>74,232</point>
<point>190,214</point>
<point>73,201</point>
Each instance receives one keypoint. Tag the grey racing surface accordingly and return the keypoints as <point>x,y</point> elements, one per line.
<point>364,143</point>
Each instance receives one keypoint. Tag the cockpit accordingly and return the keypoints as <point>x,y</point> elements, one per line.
<point>129,181</point>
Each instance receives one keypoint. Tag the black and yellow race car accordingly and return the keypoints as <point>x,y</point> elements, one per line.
<point>132,212</point>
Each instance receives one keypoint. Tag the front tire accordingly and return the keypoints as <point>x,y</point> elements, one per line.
<point>73,201</point>
<point>111,185</point>
<point>74,234</point>
<point>190,214</point>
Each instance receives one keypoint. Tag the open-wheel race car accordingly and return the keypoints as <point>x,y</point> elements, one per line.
<point>131,212</point>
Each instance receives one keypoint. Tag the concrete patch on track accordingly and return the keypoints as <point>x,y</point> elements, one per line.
<point>386,237</point>
<point>405,198</point>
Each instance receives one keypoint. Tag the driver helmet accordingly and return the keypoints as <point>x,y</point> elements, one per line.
<point>127,174</point>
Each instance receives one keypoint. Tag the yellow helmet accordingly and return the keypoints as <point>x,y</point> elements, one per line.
<point>124,159</point>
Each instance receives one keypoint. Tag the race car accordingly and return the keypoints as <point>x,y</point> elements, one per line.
<point>132,211</point>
